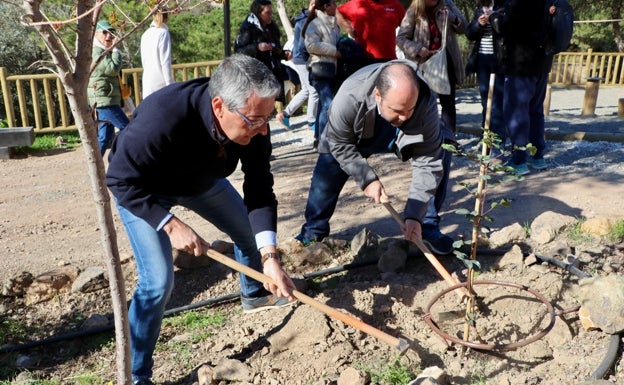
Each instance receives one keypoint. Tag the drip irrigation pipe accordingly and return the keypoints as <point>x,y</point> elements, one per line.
<point>614,342</point>
<point>101,329</point>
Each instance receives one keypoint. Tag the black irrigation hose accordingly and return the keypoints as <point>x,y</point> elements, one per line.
<point>101,329</point>
<point>600,372</point>
<point>614,343</point>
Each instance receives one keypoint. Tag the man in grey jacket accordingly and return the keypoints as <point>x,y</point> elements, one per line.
<point>379,109</point>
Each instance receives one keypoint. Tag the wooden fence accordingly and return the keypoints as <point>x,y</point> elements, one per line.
<point>40,101</point>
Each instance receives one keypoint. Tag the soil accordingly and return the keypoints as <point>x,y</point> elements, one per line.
<point>47,220</point>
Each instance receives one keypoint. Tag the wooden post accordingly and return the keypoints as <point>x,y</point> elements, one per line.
<point>547,100</point>
<point>591,95</point>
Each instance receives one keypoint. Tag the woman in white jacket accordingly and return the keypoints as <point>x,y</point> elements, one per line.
<point>156,54</point>
<point>321,34</point>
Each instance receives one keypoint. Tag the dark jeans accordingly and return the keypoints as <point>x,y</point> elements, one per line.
<point>432,218</point>
<point>523,108</point>
<point>328,179</point>
<point>487,65</point>
<point>324,89</point>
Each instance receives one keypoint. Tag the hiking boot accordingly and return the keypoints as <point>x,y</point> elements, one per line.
<point>517,169</point>
<point>537,164</point>
<point>285,120</point>
<point>253,305</point>
<point>437,242</point>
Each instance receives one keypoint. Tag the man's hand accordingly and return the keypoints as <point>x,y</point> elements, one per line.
<point>284,285</point>
<point>184,238</point>
<point>376,192</point>
<point>412,230</point>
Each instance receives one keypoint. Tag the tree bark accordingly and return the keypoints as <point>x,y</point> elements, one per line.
<point>73,73</point>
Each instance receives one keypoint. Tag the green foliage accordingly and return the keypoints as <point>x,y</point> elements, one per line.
<point>13,330</point>
<point>194,320</point>
<point>616,234</point>
<point>576,234</point>
<point>21,46</point>
<point>48,142</point>
<point>393,374</point>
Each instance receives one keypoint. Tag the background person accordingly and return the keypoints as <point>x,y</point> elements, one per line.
<point>156,54</point>
<point>300,58</point>
<point>526,65</point>
<point>178,150</point>
<point>484,51</point>
<point>260,37</point>
<point>104,90</point>
<point>321,35</point>
<point>381,108</point>
<point>372,24</point>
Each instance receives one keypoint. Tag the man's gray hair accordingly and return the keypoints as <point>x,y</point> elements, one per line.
<point>238,77</point>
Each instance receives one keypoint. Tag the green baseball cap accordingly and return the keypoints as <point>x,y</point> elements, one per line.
<point>104,25</point>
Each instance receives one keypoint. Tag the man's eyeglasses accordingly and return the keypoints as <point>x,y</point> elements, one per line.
<point>254,125</point>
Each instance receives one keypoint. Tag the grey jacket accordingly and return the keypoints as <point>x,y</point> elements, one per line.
<point>353,123</point>
<point>321,39</point>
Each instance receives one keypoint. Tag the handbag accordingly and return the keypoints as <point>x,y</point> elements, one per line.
<point>434,71</point>
<point>322,70</point>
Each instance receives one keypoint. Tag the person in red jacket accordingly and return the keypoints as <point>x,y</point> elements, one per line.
<point>372,23</point>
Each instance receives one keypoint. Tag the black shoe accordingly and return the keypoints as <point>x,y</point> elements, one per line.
<point>437,242</point>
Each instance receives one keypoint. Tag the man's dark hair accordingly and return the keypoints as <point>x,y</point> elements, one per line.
<point>387,76</point>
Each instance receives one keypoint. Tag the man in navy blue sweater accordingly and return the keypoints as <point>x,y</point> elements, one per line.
<point>181,144</point>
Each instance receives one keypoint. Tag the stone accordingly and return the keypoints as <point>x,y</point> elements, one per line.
<point>16,286</point>
<point>91,279</point>
<point>506,235</point>
<point>393,259</point>
<point>204,375</point>
<point>597,226</point>
<point>547,225</point>
<point>232,370</point>
<point>49,284</point>
<point>365,244</point>
<point>512,258</point>
<point>603,300</point>
<point>352,376</point>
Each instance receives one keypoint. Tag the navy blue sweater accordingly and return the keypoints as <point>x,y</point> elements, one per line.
<point>172,147</point>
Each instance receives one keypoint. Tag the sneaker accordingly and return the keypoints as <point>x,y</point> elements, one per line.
<point>303,240</point>
<point>312,126</point>
<point>537,164</point>
<point>285,120</point>
<point>437,242</point>
<point>518,169</point>
<point>142,382</point>
<point>253,305</point>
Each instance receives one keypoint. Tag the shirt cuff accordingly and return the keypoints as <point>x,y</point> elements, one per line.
<point>164,221</point>
<point>266,238</point>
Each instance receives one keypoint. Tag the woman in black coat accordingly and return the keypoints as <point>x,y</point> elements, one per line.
<point>259,37</point>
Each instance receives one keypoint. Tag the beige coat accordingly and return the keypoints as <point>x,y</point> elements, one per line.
<point>414,34</point>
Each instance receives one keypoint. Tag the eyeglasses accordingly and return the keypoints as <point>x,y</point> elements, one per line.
<point>254,125</point>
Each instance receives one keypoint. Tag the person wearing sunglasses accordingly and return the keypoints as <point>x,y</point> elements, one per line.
<point>104,89</point>
<point>181,145</point>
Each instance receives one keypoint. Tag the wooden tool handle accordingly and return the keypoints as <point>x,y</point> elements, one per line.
<point>399,343</point>
<point>421,246</point>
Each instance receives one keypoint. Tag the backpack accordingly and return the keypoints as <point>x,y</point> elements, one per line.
<point>559,26</point>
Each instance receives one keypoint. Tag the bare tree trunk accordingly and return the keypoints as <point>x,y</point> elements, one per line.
<point>283,15</point>
<point>74,75</point>
<point>616,14</point>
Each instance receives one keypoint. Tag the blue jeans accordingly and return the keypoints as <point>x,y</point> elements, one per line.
<point>487,65</point>
<point>523,108</point>
<point>222,206</point>
<point>109,117</point>
<point>432,218</point>
<point>324,89</point>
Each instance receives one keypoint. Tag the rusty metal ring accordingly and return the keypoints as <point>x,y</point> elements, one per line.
<point>499,347</point>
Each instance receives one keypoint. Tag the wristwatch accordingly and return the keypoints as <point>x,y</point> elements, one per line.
<point>270,255</point>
